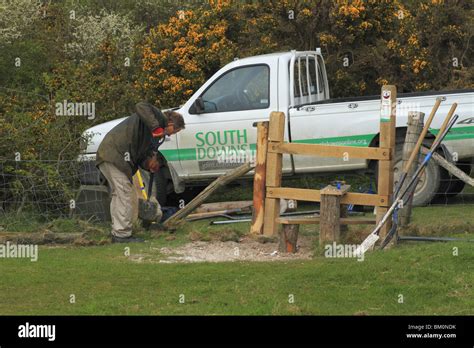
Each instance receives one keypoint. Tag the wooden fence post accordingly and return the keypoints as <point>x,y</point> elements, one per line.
<point>259,192</point>
<point>276,132</point>
<point>415,126</point>
<point>387,140</point>
<point>330,213</point>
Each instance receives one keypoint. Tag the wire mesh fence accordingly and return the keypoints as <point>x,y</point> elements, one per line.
<point>52,189</point>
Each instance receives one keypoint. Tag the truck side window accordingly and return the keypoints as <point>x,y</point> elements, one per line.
<point>304,81</point>
<point>244,88</point>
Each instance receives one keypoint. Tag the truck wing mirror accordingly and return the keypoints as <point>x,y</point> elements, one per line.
<point>199,105</point>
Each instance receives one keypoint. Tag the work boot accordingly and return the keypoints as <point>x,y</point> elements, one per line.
<point>127,240</point>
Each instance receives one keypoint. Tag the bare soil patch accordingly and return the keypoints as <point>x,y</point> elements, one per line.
<point>247,249</point>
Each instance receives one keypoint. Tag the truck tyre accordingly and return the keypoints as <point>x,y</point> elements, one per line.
<point>429,183</point>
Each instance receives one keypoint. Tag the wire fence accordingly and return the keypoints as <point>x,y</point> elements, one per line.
<point>52,189</point>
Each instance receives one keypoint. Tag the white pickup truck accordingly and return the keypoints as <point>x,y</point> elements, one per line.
<point>220,115</point>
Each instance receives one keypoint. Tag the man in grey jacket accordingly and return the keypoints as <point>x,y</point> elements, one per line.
<point>125,149</point>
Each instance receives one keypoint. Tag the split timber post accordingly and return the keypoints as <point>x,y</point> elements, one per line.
<point>276,131</point>
<point>387,141</point>
<point>258,209</point>
<point>330,218</point>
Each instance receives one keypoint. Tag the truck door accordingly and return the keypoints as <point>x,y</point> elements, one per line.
<point>221,136</point>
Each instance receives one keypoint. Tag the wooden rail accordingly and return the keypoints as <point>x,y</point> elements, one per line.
<point>374,153</point>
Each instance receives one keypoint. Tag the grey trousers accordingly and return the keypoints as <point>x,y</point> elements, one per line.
<point>123,200</point>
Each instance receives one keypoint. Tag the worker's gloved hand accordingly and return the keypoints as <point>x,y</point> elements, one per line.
<point>158,132</point>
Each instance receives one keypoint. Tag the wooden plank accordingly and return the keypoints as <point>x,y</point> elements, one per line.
<point>272,211</point>
<point>345,152</point>
<point>218,206</point>
<point>387,140</point>
<point>450,167</point>
<point>276,130</point>
<point>310,219</point>
<point>209,190</point>
<point>259,179</point>
<point>315,196</point>
<point>273,170</point>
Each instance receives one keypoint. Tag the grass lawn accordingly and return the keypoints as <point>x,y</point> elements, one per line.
<point>104,281</point>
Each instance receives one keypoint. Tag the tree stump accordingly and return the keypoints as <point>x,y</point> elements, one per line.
<point>288,238</point>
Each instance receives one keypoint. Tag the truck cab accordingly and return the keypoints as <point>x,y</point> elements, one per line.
<point>219,134</point>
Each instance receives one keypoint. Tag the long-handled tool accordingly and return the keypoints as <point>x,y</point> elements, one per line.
<point>374,236</point>
<point>407,167</point>
<point>441,130</point>
<point>416,149</point>
<point>142,185</point>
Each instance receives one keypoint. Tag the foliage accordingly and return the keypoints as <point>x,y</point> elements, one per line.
<point>182,54</point>
<point>15,16</point>
<point>92,30</point>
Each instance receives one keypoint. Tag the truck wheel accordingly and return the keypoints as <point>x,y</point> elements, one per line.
<point>429,182</point>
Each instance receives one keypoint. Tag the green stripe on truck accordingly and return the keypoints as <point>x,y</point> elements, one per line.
<point>458,133</point>
<point>352,140</point>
